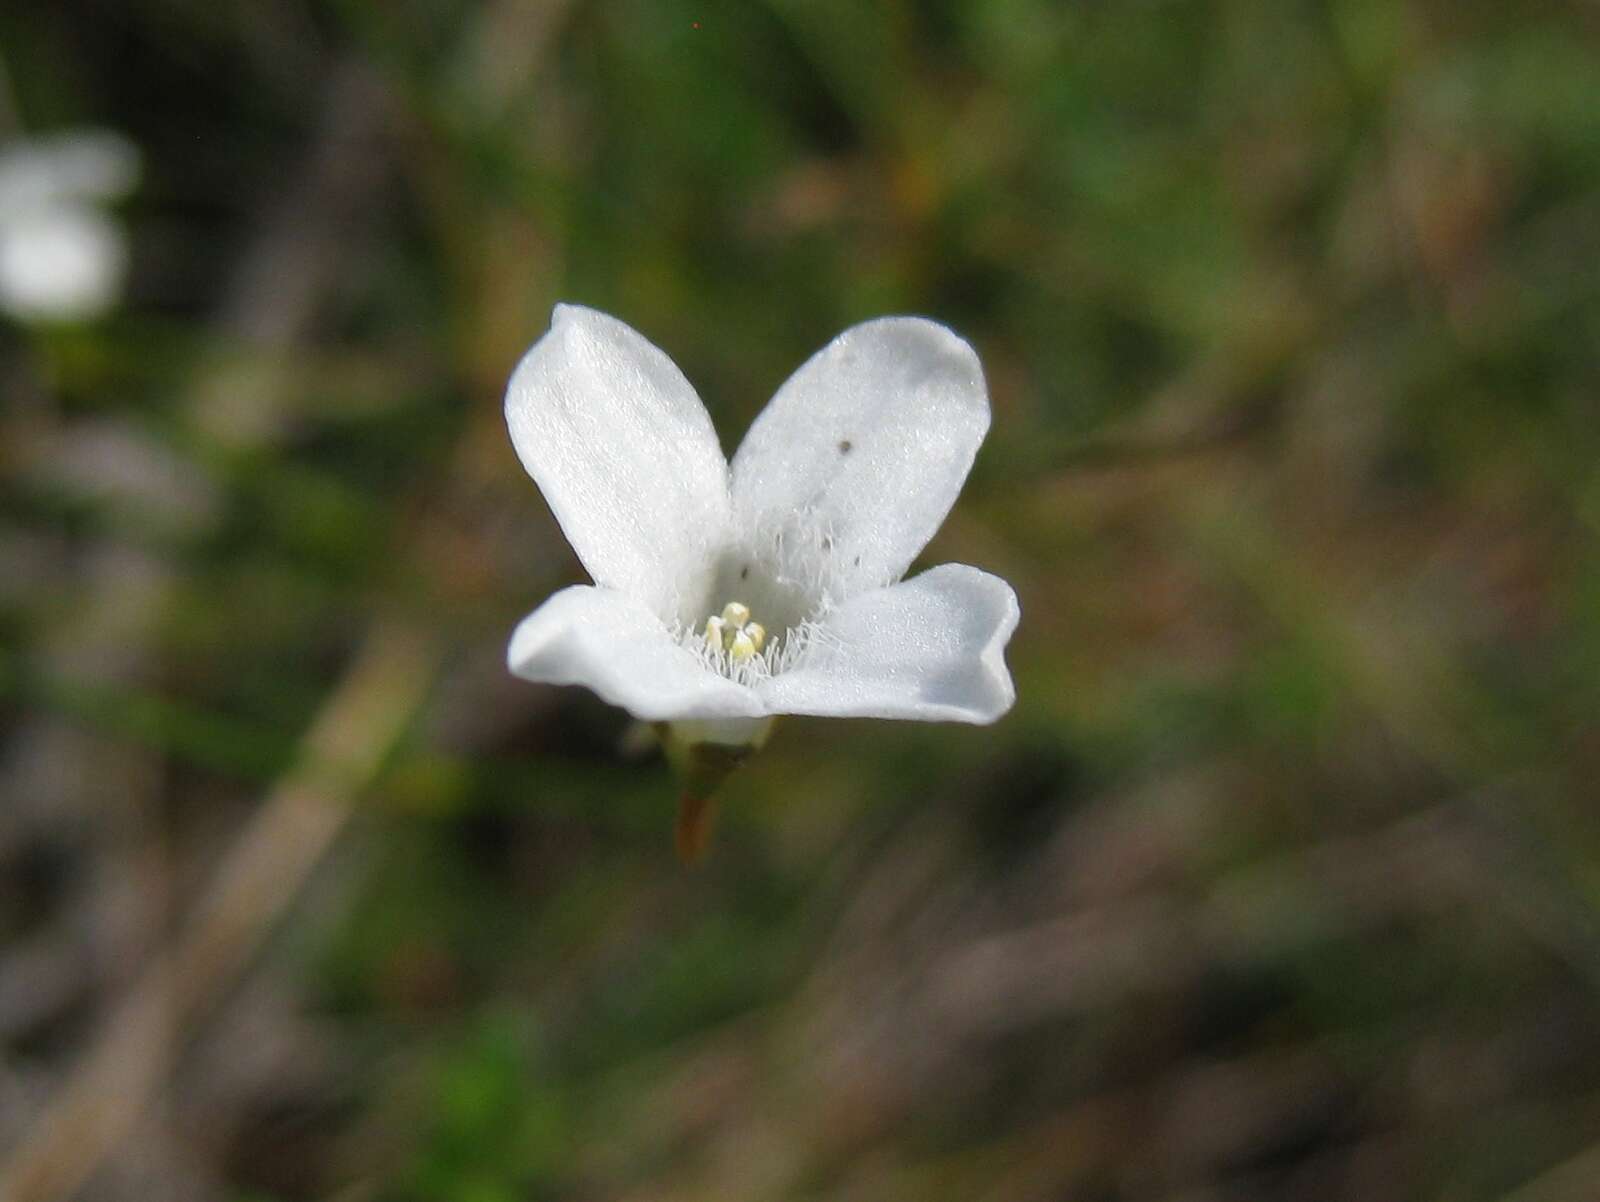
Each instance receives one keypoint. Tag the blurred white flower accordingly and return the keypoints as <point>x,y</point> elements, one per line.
<point>62,257</point>
<point>727,594</point>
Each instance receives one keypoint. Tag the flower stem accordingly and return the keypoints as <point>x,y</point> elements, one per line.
<point>701,767</point>
<point>693,831</point>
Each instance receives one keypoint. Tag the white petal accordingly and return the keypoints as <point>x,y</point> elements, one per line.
<point>625,455</point>
<point>861,453</point>
<point>931,648</point>
<point>613,645</point>
<point>88,164</point>
<point>61,264</point>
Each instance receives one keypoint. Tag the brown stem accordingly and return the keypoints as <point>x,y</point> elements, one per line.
<point>693,832</point>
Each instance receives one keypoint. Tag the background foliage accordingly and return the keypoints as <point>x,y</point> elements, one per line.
<point>1282,880</point>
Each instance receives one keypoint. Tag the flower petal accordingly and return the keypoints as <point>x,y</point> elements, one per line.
<point>930,648</point>
<point>612,644</point>
<point>862,451</point>
<point>82,165</point>
<point>625,455</point>
<point>64,263</point>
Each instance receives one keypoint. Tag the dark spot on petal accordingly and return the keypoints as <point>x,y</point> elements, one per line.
<point>744,572</point>
<point>845,446</point>
<point>827,542</point>
<point>858,561</point>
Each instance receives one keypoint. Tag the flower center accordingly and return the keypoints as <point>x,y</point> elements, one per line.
<point>733,634</point>
<point>733,645</point>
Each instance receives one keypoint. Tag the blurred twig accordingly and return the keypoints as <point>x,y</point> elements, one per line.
<point>275,298</point>
<point>253,885</point>
<point>1574,1179</point>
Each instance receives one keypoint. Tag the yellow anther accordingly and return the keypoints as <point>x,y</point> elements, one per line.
<point>733,634</point>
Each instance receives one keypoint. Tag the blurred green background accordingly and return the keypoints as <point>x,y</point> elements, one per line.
<point>1281,881</point>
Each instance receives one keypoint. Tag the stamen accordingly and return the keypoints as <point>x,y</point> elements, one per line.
<point>734,646</point>
<point>714,633</point>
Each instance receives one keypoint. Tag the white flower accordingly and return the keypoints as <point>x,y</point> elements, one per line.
<point>62,258</point>
<point>728,594</point>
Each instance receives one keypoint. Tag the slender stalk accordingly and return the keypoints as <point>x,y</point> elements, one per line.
<point>111,1088</point>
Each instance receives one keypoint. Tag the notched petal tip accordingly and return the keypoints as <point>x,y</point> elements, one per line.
<point>993,656</point>
<point>566,313</point>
